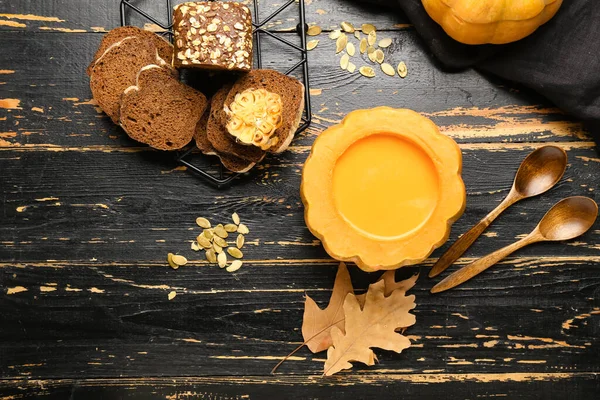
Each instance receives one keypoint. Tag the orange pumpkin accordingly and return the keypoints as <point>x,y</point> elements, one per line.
<point>490,21</point>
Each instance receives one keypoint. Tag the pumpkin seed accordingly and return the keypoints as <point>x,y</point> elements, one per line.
<point>170,261</point>
<point>335,34</point>
<point>379,56</point>
<point>235,218</point>
<point>372,56</point>
<point>344,61</point>
<point>312,44</point>
<point>203,222</point>
<point>178,260</point>
<point>350,49</point>
<point>388,69</point>
<point>220,241</point>
<point>363,45</point>
<point>341,42</point>
<point>195,246</point>
<point>222,260</point>
<point>347,27</point>
<point>208,233</point>
<point>235,265</point>
<point>367,28</point>
<point>211,256</point>
<point>204,242</point>
<point>218,249</point>
<point>171,295</point>
<point>357,34</point>
<point>313,30</point>
<point>385,42</point>
<point>239,242</point>
<point>402,70</point>
<point>220,231</point>
<point>351,68</point>
<point>230,228</point>
<point>370,49</point>
<point>367,71</point>
<point>372,38</point>
<point>243,229</point>
<point>235,252</point>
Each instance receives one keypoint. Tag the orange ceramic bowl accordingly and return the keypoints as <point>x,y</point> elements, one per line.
<point>382,188</point>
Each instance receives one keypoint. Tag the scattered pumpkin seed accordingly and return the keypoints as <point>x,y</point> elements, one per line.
<point>222,260</point>
<point>347,27</point>
<point>312,44</point>
<point>335,34</point>
<point>367,28</point>
<point>344,61</point>
<point>170,261</point>
<point>220,231</point>
<point>370,49</point>
<point>402,70</point>
<point>235,252</point>
<point>172,295</point>
<point>178,260</point>
<point>388,69</point>
<point>351,68</point>
<point>218,249</point>
<point>203,222</point>
<point>379,56</point>
<point>341,42</point>
<point>367,71</point>
<point>195,246</point>
<point>235,218</point>
<point>211,256</point>
<point>372,56</point>
<point>235,265</point>
<point>230,228</point>
<point>243,229</point>
<point>372,38</point>
<point>239,242</point>
<point>385,42</point>
<point>363,45</point>
<point>203,241</point>
<point>357,34</point>
<point>350,49</point>
<point>208,233</point>
<point>313,30</point>
<point>220,241</point>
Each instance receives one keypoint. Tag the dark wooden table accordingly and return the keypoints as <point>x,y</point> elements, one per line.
<point>88,216</point>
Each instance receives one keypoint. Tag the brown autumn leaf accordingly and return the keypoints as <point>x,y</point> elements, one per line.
<point>389,278</point>
<point>372,326</point>
<point>317,323</point>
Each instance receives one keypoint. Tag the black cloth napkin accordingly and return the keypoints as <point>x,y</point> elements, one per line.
<point>561,60</point>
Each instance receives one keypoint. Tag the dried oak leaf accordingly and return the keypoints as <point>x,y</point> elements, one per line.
<point>372,326</point>
<point>317,323</point>
<point>389,278</point>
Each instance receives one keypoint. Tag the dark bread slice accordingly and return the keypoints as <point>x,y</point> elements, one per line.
<point>292,96</point>
<point>230,162</point>
<point>117,69</point>
<point>161,111</point>
<point>219,137</point>
<point>164,48</point>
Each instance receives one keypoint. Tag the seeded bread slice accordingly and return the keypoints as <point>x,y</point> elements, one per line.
<point>117,69</point>
<point>292,96</point>
<point>161,111</point>
<point>230,162</point>
<point>165,49</point>
<point>222,141</point>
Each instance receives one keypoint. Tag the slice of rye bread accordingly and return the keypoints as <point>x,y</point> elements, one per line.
<point>220,138</point>
<point>292,96</point>
<point>164,48</point>
<point>230,162</point>
<point>161,111</point>
<point>117,69</point>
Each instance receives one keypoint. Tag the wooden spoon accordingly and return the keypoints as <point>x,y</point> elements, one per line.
<point>538,173</point>
<point>569,218</point>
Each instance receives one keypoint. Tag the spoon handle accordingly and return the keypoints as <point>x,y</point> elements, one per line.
<point>476,267</point>
<point>467,239</point>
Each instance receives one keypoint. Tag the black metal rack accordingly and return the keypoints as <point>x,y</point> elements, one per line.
<point>222,177</point>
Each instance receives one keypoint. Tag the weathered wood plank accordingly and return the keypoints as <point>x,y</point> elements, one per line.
<point>101,320</point>
<point>468,386</point>
<point>100,16</point>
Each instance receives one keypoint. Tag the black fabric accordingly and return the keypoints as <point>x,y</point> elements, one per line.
<point>561,60</point>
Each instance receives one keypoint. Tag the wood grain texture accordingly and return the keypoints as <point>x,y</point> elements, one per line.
<point>87,217</point>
